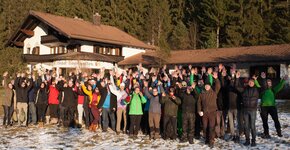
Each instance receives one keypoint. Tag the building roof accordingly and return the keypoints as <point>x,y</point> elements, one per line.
<point>265,53</point>
<point>72,56</point>
<point>79,29</point>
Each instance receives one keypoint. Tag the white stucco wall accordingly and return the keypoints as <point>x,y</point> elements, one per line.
<point>34,41</point>
<point>87,48</point>
<point>128,51</point>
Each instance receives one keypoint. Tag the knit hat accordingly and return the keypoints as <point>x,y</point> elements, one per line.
<point>122,84</point>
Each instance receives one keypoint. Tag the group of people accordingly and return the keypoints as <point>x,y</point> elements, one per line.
<point>179,103</point>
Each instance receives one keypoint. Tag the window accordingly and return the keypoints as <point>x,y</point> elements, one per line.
<point>107,50</point>
<point>28,50</point>
<point>35,50</point>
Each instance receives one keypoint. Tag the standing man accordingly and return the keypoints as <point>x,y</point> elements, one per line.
<point>207,107</point>
<point>268,104</point>
<point>250,98</point>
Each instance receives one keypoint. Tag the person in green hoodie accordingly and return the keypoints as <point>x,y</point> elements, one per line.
<point>135,111</point>
<point>268,103</point>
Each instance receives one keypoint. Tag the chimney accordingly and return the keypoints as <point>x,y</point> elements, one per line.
<point>97,19</point>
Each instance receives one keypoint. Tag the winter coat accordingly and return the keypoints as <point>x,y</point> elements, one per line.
<point>22,92</point>
<point>170,105</point>
<point>53,95</point>
<point>189,101</point>
<point>268,94</point>
<point>69,95</point>
<point>93,97</point>
<point>41,97</point>
<point>234,95</point>
<point>135,107</point>
<point>104,93</point>
<point>9,94</point>
<point>155,106</point>
<point>207,101</point>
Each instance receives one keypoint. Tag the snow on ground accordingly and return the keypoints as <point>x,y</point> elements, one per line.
<point>53,137</point>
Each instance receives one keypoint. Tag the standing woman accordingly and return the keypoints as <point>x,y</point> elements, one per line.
<point>41,101</point>
<point>9,101</point>
<point>136,112</point>
<point>53,102</point>
<point>94,101</point>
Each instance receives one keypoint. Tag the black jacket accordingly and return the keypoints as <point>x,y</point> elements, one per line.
<point>104,93</point>
<point>250,98</point>
<point>22,92</point>
<point>189,101</point>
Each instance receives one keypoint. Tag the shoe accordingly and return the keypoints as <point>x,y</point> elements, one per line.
<point>118,133</point>
<point>280,135</point>
<point>182,140</point>
<point>253,144</point>
<point>237,139</point>
<point>266,136</point>
<point>191,141</point>
<point>211,145</point>
<point>104,130</point>
<point>247,143</point>
<point>94,128</point>
<point>91,127</point>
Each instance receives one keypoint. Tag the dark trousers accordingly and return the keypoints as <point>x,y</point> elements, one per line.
<point>188,125</point>
<point>8,110</point>
<point>88,115</point>
<point>53,110</point>
<point>68,115</point>
<point>170,127</point>
<point>250,124</point>
<point>198,127</point>
<point>41,109</point>
<point>96,114</point>
<point>220,124</point>
<point>208,121</point>
<point>241,122</point>
<point>106,113</point>
<point>135,121</point>
<point>144,123</point>
<point>272,110</point>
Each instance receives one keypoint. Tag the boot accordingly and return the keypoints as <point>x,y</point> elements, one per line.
<point>47,118</point>
<point>157,133</point>
<point>247,143</point>
<point>253,143</point>
<point>40,124</point>
<point>91,127</point>
<point>279,133</point>
<point>152,133</point>
<point>94,128</point>
<point>191,141</point>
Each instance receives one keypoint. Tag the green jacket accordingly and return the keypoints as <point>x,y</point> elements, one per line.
<point>268,94</point>
<point>136,104</point>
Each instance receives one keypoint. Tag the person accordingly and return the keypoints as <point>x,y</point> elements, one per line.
<point>9,100</point>
<point>171,103</point>
<point>94,98</point>
<point>250,96</point>
<point>80,106</point>
<point>234,106</point>
<point>107,105</point>
<point>135,111</point>
<point>41,102</point>
<point>53,102</point>
<point>207,107</point>
<point>189,99</point>
<point>68,103</point>
<point>22,86</point>
<point>268,104</point>
<point>121,105</point>
<point>32,119</point>
<point>154,109</point>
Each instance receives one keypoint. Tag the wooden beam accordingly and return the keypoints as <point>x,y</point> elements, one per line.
<point>19,44</point>
<point>27,32</point>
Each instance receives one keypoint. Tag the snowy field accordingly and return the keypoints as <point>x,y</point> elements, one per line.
<point>52,137</point>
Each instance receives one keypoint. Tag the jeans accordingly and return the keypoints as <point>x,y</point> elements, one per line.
<point>232,115</point>
<point>106,113</point>
<point>250,124</point>
<point>272,110</point>
<point>32,112</point>
<point>8,110</point>
<point>41,110</point>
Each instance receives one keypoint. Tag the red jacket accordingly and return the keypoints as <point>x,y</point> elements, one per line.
<point>53,95</point>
